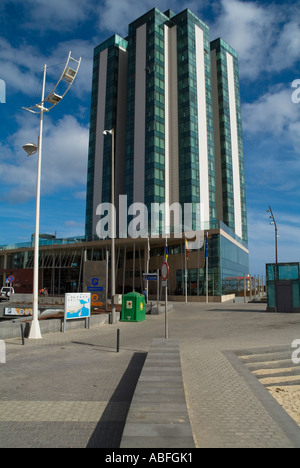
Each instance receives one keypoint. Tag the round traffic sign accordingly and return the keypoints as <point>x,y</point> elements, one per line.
<point>11,279</point>
<point>165,271</point>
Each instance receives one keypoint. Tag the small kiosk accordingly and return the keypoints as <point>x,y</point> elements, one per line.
<point>283,287</point>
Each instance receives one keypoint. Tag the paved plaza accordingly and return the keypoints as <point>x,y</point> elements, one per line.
<point>74,390</point>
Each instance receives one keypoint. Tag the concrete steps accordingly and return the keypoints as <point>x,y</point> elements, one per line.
<point>273,367</point>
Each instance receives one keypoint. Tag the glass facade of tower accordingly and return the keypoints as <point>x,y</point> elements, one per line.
<point>188,112</point>
<point>112,45</point>
<point>181,121</point>
<point>154,108</point>
<point>222,49</point>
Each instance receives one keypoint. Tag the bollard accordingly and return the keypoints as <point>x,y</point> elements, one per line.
<point>22,334</point>
<point>118,340</point>
<point>2,352</point>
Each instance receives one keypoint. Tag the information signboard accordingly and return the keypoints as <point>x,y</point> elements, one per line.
<point>77,306</point>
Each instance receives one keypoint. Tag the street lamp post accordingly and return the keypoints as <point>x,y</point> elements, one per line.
<point>113,227</point>
<point>276,232</point>
<point>68,76</point>
<point>35,331</point>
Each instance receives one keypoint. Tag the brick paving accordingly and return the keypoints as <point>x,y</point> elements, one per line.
<point>74,390</point>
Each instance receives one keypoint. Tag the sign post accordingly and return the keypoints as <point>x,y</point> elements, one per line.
<point>165,276</point>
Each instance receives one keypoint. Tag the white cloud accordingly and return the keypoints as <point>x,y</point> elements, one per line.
<point>20,67</point>
<point>273,113</point>
<point>271,127</point>
<point>66,149</point>
<point>285,52</point>
<point>64,159</point>
<point>246,26</point>
<point>266,37</point>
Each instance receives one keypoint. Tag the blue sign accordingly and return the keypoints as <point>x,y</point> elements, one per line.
<point>150,276</point>
<point>95,288</point>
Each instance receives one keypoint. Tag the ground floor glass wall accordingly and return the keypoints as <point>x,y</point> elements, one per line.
<point>61,270</point>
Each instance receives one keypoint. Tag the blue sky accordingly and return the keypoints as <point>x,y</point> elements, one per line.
<point>266,36</point>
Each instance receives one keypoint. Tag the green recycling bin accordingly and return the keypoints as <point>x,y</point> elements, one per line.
<point>133,307</point>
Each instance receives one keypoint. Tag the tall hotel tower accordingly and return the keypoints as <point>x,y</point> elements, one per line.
<point>172,98</point>
<point>168,101</point>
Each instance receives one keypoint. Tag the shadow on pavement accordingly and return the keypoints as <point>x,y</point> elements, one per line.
<point>109,430</point>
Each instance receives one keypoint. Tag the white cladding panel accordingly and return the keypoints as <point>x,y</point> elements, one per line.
<point>202,126</point>
<point>234,148</point>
